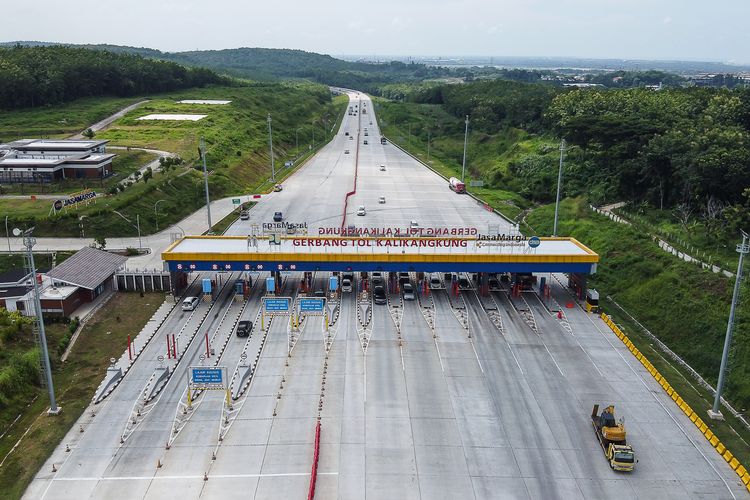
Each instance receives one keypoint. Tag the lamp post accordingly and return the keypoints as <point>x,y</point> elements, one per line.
<point>156,214</point>
<point>466,138</point>
<point>205,182</point>
<point>743,248</point>
<point>559,183</point>
<point>29,241</point>
<point>7,234</point>
<point>270,146</point>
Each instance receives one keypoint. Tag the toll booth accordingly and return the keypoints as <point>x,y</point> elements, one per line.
<point>592,301</point>
<point>578,283</point>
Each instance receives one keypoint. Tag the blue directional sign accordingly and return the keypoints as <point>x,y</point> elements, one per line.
<point>311,304</point>
<point>206,375</point>
<point>277,305</point>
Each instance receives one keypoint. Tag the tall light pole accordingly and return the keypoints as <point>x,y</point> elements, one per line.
<point>270,146</point>
<point>156,214</point>
<point>559,183</point>
<point>205,182</point>
<point>466,139</point>
<point>29,241</point>
<point>743,248</point>
<point>138,227</point>
<point>7,234</point>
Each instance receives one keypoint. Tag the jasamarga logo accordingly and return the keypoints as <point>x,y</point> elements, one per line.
<point>502,237</point>
<point>270,226</point>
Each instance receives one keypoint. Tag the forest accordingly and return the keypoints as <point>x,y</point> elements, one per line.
<point>677,147</point>
<point>41,76</point>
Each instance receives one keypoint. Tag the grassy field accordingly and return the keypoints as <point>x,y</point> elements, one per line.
<point>237,154</point>
<point>75,382</point>
<point>59,121</point>
<point>42,261</point>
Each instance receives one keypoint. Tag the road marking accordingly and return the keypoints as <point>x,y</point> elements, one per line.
<point>553,360</point>
<point>212,476</point>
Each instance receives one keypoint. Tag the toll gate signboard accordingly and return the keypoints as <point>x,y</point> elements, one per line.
<point>277,305</point>
<point>311,305</point>
<point>207,378</point>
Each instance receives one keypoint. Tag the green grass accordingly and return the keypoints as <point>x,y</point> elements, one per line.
<point>75,382</point>
<point>237,154</point>
<point>59,121</point>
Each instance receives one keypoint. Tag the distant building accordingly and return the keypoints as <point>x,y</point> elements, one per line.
<point>42,161</point>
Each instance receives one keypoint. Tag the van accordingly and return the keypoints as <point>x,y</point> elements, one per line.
<point>190,303</point>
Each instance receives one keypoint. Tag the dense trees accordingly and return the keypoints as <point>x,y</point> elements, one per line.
<point>37,76</point>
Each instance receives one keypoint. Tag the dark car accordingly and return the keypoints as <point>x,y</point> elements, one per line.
<point>408,291</point>
<point>278,217</point>
<point>378,295</point>
<point>463,283</point>
<point>244,328</point>
<point>494,284</point>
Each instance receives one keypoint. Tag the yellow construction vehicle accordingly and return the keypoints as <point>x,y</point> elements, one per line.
<point>611,435</point>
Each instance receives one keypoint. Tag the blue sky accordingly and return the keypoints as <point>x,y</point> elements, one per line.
<point>629,29</point>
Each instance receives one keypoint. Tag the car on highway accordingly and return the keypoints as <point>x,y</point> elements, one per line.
<point>408,291</point>
<point>320,292</point>
<point>494,284</point>
<point>346,151</point>
<point>414,224</point>
<point>346,285</point>
<point>403,277</point>
<point>346,133</point>
<point>381,200</point>
<point>378,295</point>
<point>351,137</point>
<point>277,188</point>
<point>365,142</point>
<point>361,210</point>
<point>244,215</point>
<point>278,216</point>
<point>190,303</point>
<point>463,282</point>
<point>377,279</point>
<point>365,133</point>
<point>244,328</point>
<point>382,168</point>
<point>435,281</point>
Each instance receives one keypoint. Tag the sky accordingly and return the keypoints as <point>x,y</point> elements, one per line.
<point>622,29</point>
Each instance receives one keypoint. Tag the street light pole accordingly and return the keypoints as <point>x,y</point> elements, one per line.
<point>156,214</point>
<point>29,241</point>
<point>138,226</point>
<point>205,181</point>
<point>742,249</point>
<point>559,183</point>
<point>7,234</point>
<point>466,138</point>
<point>270,146</point>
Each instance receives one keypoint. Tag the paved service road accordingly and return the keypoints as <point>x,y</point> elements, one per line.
<point>443,397</point>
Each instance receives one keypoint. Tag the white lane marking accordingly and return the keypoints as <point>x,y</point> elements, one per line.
<point>212,476</point>
<point>516,359</point>
<point>440,358</point>
<point>553,360</point>
<point>476,355</point>
<point>658,400</point>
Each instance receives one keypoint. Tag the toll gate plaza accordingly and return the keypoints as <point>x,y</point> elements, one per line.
<point>510,254</point>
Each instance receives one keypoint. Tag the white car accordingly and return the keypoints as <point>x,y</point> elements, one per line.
<point>414,224</point>
<point>190,303</point>
<point>382,168</point>
<point>361,210</point>
<point>346,285</point>
<point>346,151</point>
<point>381,199</point>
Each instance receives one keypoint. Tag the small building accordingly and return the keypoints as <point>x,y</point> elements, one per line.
<point>80,279</point>
<point>43,161</point>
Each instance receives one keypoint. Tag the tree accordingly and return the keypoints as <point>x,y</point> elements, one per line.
<point>147,174</point>
<point>101,242</point>
<point>88,133</point>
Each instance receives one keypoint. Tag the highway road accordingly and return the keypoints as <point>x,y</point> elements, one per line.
<point>444,397</point>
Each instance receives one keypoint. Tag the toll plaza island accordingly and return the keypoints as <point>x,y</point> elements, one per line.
<point>512,255</point>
